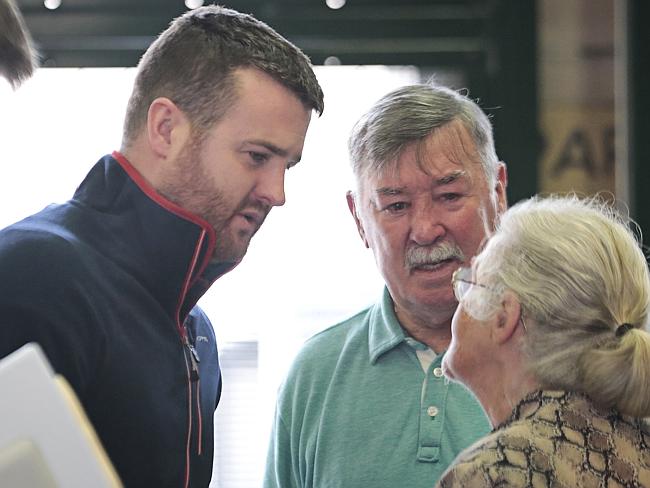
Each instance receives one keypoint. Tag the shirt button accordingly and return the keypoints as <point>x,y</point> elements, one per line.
<point>432,411</point>
<point>437,372</point>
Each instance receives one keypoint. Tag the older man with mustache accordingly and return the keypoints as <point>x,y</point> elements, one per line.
<point>366,402</point>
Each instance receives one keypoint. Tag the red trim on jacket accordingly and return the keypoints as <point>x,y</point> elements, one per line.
<point>186,284</point>
<point>158,198</point>
<point>189,421</point>
<point>208,230</point>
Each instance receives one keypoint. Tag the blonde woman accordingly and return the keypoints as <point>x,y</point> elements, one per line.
<point>550,335</point>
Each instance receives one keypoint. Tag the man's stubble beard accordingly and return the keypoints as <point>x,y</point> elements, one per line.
<point>189,186</point>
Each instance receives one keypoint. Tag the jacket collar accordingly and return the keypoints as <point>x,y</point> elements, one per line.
<point>165,247</point>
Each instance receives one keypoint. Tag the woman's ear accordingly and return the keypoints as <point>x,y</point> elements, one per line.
<point>507,320</point>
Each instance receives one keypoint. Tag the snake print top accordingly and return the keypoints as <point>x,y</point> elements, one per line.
<point>557,439</point>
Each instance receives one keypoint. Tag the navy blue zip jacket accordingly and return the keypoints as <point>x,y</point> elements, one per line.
<point>107,284</point>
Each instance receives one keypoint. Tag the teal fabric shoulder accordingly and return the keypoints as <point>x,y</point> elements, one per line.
<point>357,409</point>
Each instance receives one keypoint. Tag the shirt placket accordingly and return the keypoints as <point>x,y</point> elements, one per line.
<point>432,413</point>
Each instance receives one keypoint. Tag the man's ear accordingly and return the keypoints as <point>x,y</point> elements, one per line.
<point>507,319</point>
<point>500,190</point>
<point>168,128</point>
<point>501,185</point>
<point>352,205</point>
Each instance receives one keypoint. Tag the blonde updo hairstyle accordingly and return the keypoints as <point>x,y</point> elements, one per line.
<point>579,274</point>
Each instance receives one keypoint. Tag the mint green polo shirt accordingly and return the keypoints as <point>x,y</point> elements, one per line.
<point>358,410</point>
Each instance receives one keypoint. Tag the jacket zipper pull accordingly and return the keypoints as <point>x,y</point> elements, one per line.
<point>194,359</point>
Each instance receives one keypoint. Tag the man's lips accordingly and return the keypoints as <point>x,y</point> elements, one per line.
<point>434,266</point>
<point>253,217</point>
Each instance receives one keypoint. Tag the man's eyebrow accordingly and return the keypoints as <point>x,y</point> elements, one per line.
<point>278,151</point>
<point>450,178</point>
<point>390,191</point>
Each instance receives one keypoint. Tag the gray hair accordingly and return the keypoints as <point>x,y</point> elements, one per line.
<point>192,64</point>
<point>17,55</point>
<point>579,273</point>
<point>409,114</point>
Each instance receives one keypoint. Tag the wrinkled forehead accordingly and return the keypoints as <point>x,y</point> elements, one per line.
<point>445,151</point>
<point>454,141</point>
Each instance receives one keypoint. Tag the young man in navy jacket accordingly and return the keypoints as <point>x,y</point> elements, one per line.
<point>108,282</point>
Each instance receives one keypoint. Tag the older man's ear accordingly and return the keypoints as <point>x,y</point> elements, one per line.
<point>501,185</point>
<point>352,205</point>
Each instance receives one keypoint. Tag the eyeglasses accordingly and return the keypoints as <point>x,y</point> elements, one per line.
<point>461,282</point>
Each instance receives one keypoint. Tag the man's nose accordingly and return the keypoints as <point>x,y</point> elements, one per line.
<point>270,189</point>
<point>426,225</point>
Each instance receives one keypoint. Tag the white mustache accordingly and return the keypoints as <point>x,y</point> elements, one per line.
<point>419,256</point>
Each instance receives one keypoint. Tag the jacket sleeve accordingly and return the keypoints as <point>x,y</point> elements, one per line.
<point>42,301</point>
<point>281,462</point>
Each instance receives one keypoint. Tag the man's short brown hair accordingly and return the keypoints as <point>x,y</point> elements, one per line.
<point>193,60</point>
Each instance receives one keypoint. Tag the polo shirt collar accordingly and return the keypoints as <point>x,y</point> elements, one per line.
<point>384,331</point>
